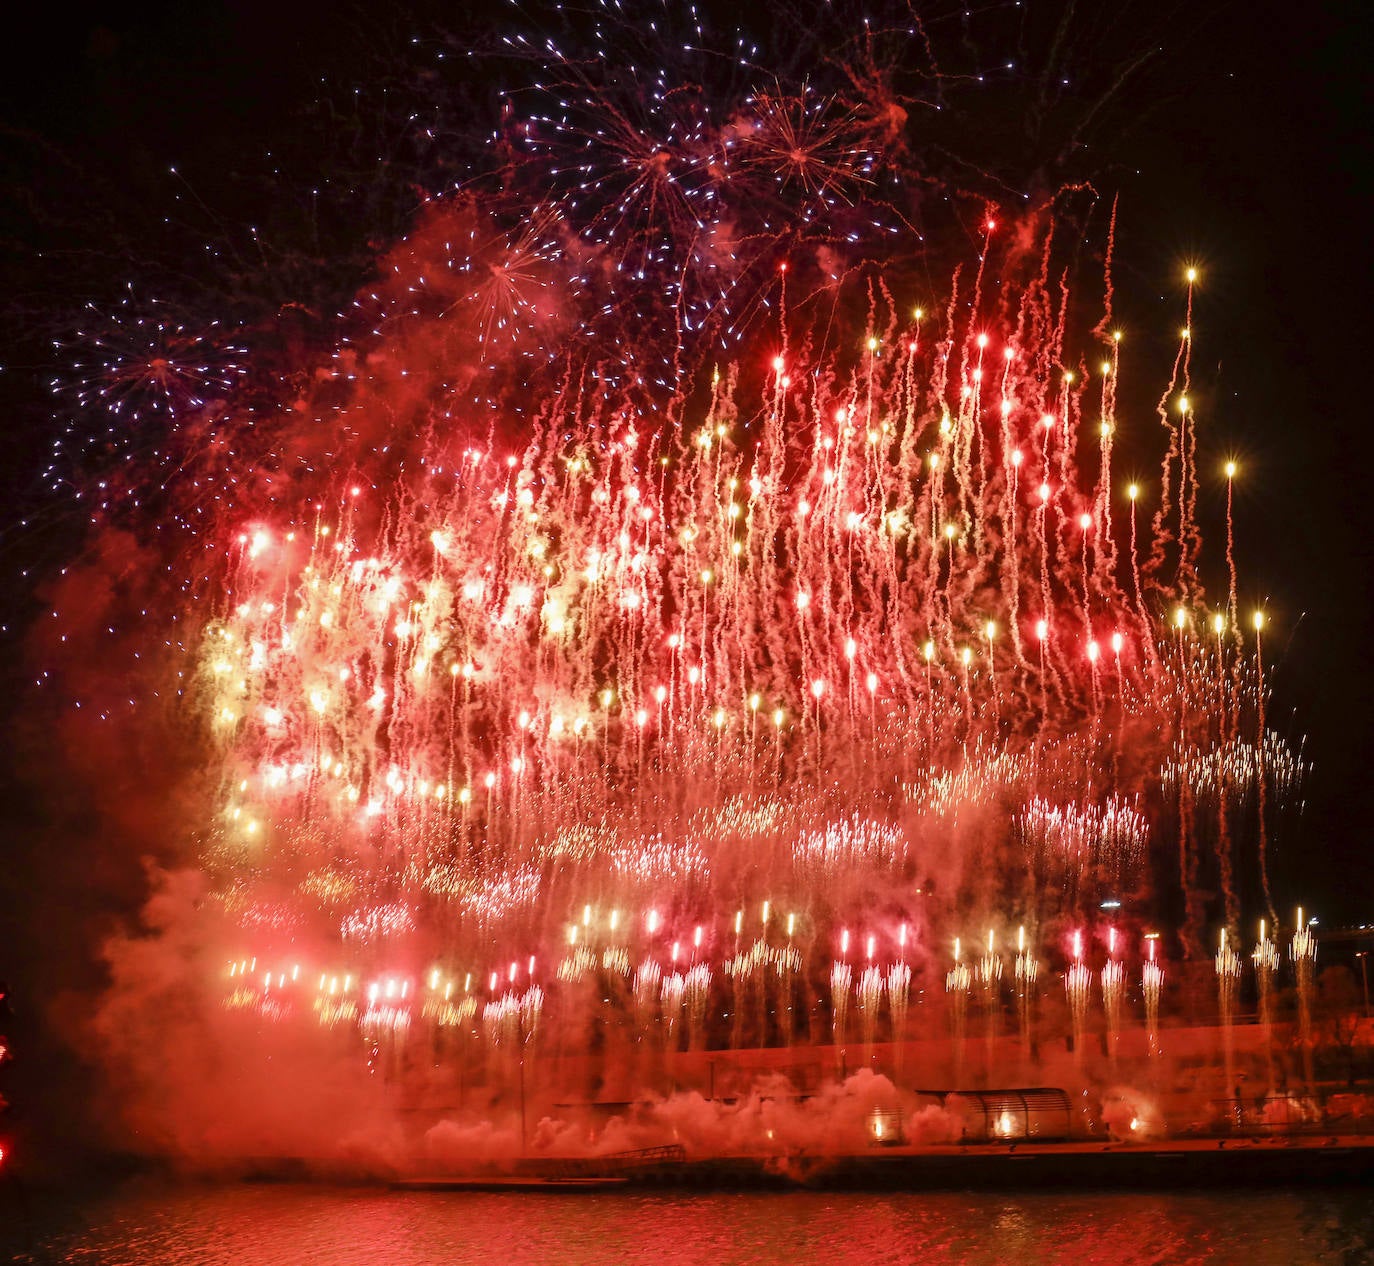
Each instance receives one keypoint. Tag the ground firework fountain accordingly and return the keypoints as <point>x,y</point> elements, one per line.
<point>1113,980</point>
<point>1266,960</point>
<point>841,980</point>
<point>1228,983</point>
<point>990,992</point>
<point>697,988</point>
<point>898,993</point>
<point>957,983</point>
<point>1078,986</point>
<point>872,986</point>
<point>647,990</point>
<point>1152,986</point>
<point>1303,951</point>
<point>1027,972</point>
<point>786,964</point>
<point>672,1002</point>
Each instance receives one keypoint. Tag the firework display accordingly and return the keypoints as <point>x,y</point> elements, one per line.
<point>816,654</point>
<point>656,605</point>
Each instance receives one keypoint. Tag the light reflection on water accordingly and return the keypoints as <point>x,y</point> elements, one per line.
<point>255,1225</point>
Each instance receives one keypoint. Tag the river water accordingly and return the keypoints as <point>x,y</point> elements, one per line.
<point>153,1224</point>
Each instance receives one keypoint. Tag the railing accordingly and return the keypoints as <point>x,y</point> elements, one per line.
<point>674,1152</point>
<point>612,1165</point>
<point>1285,1115</point>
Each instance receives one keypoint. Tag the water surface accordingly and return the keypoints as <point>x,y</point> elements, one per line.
<point>147,1224</point>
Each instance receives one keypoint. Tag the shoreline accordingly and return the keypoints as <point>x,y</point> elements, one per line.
<point>1200,1162</point>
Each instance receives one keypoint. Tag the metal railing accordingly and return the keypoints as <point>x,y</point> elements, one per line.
<point>612,1165</point>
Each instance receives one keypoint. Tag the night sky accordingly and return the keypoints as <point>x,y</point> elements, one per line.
<point>1242,147</point>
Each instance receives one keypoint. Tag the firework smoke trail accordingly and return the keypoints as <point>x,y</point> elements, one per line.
<point>1260,767</point>
<point>1175,398</point>
<point>1232,601</point>
<point>1226,736</point>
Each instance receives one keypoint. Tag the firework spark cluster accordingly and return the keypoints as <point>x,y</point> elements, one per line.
<point>822,650</point>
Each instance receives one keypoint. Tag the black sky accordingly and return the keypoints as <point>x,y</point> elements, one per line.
<point>1251,159</point>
